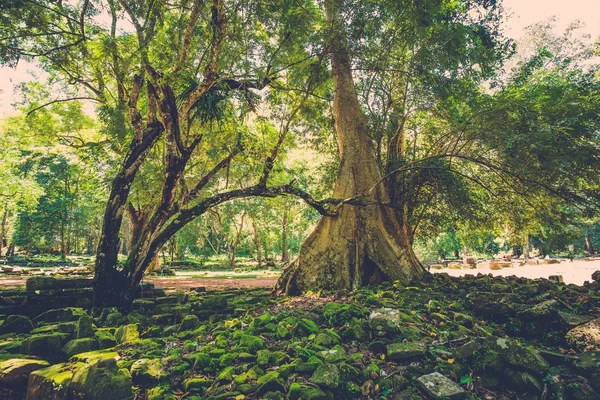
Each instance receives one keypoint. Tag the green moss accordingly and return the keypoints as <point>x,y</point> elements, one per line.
<point>197,384</point>
<point>51,382</point>
<point>253,343</point>
<point>77,346</point>
<point>127,334</point>
<point>102,380</point>
<point>263,357</point>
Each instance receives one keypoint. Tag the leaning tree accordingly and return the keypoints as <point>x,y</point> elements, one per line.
<point>173,81</point>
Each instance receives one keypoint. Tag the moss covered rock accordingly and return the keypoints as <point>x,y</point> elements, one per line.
<point>85,327</point>
<point>270,382</point>
<point>326,376</point>
<point>101,380</point>
<point>105,338</point>
<point>77,346</point>
<point>45,346</point>
<point>15,372</point>
<point>51,383</point>
<point>385,320</point>
<point>145,371</point>
<point>16,324</point>
<point>403,351</point>
<point>585,337</point>
<point>60,315</point>
<point>127,334</point>
<point>253,343</point>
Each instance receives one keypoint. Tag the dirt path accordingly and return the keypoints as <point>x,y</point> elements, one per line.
<point>175,283</point>
<point>212,284</point>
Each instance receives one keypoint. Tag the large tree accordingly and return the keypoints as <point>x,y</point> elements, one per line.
<point>359,244</point>
<point>173,81</point>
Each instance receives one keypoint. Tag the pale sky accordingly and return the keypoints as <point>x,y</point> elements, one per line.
<point>524,13</point>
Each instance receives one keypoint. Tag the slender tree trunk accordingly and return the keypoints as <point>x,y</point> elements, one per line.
<point>236,242</point>
<point>10,251</point>
<point>589,246</point>
<point>257,243</point>
<point>3,228</point>
<point>360,245</point>
<point>285,257</point>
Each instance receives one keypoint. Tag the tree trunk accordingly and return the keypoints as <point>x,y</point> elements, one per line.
<point>589,246</point>
<point>257,243</point>
<point>111,286</point>
<point>3,228</point>
<point>285,257</point>
<point>236,242</point>
<point>361,245</point>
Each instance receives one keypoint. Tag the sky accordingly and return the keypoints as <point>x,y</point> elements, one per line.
<point>522,14</point>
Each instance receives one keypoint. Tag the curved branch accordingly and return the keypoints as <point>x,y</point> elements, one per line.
<point>61,101</point>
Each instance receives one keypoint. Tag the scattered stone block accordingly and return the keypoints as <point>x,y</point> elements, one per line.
<point>556,278</point>
<point>438,387</point>
<point>77,346</point>
<point>16,324</point>
<point>50,383</point>
<point>385,320</point>
<point>85,327</point>
<point>145,371</point>
<point>585,337</point>
<point>402,351</point>
<point>573,320</point>
<point>101,380</point>
<point>326,376</point>
<point>15,372</point>
<point>127,333</point>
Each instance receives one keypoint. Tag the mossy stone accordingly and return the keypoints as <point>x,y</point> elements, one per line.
<point>270,382</point>
<point>93,356</point>
<point>263,357</point>
<point>51,383</point>
<point>102,380</point>
<point>326,376</point>
<point>403,351</point>
<point>127,334</point>
<point>202,361</point>
<point>105,338</point>
<point>295,391</point>
<point>145,371</point>
<point>160,393</point>
<point>77,346</point>
<point>15,371</point>
<point>16,324</point>
<point>190,322</point>
<point>197,384</point>
<point>253,343</point>
<point>310,365</point>
<point>280,357</point>
<point>45,346</point>
<point>114,319</point>
<point>227,359</point>
<point>226,374</point>
<point>85,327</point>
<point>282,332</point>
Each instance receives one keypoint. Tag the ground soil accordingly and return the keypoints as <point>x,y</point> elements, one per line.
<point>175,283</point>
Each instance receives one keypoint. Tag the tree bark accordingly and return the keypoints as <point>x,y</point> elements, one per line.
<point>285,257</point>
<point>361,245</point>
<point>257,243</point>
<point>3,228</point>
<point>110,284</point>
<point>589,246</point>
<point>236,242</point>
